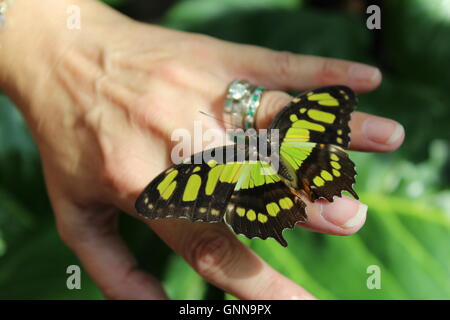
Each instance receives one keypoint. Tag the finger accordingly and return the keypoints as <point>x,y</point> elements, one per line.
<point>213,251</point>
<point>368,132</point>
<point>373,133</point>
<point>271,103</point>
<point>94,239</point>
<point>219,257</point>
<point>343,216</point>
<point>289,71</point>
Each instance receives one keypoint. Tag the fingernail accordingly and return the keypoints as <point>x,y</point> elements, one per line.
<point>358,218</point>
<point>347,216</point>
<point>363,72</point>
<point>398,132</point>
<point>381,130</point>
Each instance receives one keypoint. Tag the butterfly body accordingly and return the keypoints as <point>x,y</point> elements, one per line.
<point>254,190</point>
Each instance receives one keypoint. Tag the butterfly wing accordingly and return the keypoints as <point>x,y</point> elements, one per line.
<point>321,115</point>
<point>247,195</point>
<point>313,132</point>
<point>262,205</point>
<point>253,197</point>
<point>324,173</point>
<point>198,192</point>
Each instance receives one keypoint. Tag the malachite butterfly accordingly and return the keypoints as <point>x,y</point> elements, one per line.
<point>249,195</point>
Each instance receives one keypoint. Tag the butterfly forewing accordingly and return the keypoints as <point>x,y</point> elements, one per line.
<point>198,192</point>
<point>320,116</point>
<point>313,132</point>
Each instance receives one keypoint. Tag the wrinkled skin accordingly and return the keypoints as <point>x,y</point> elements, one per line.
<point>101,103</point>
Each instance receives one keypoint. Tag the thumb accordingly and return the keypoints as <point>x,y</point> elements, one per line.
<point>92,234</point>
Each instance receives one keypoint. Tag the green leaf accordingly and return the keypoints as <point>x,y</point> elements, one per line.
<point>193,12</point>
<point>182,282</point>
<point>411,242</point>
<point>288,263</point>
<point>416,34</point>
<point>37,270</point>
<point>115,3</point>
<point>407,242</point>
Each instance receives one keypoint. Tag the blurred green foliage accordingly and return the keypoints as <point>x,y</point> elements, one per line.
<point>407,233</point>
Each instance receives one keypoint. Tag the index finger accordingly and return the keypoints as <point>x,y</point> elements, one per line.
<point>368,132</point>
<point>218,255</point>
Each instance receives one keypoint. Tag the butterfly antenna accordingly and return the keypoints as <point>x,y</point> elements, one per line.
<point>220,120</point>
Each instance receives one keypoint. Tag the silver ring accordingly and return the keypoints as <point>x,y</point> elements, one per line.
<point>241,103</point>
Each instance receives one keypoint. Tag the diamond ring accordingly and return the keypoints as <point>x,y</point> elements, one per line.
<point>241,103</point>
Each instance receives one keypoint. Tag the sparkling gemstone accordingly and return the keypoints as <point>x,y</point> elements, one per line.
<point>238,90</point>
<point>248,122</point>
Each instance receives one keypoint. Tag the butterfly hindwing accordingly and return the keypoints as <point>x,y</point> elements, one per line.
<point>326,173</point>
<point>265,211</point>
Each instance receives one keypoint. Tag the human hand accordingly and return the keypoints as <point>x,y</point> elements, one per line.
<point>102,105</point>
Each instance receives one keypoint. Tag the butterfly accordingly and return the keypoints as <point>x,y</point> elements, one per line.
<point>244,190</point>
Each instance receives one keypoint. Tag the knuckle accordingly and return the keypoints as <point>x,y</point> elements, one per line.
<point>171,70</point>
<point>149,105</point>
<point>270,289</point>
<point>211,253</point>
<point>111,174</point>
<point>151,112</point>
<point>202,46</point>
<point>326,72</point>
<point>108,176</point>
<point>114,290</point>
<point>284,64</point>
